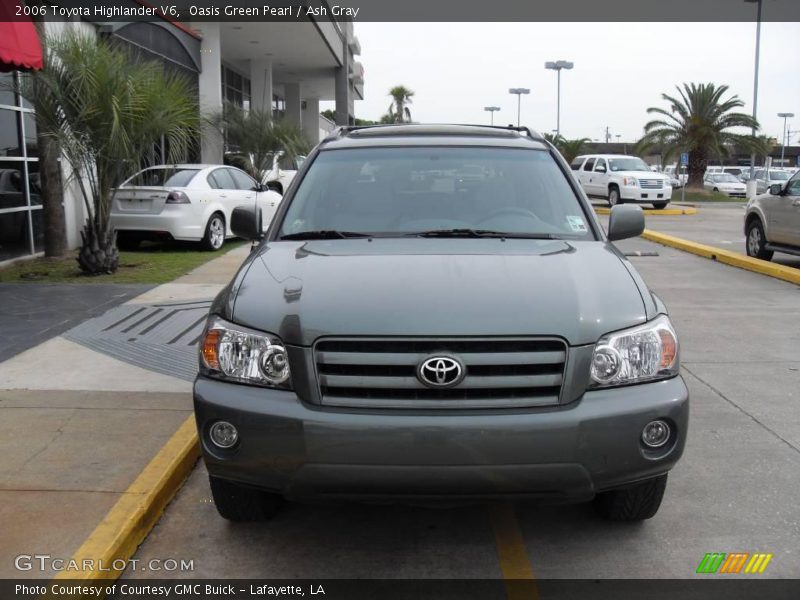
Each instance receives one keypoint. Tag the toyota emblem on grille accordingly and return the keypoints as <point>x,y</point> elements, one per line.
<point>441,371</point>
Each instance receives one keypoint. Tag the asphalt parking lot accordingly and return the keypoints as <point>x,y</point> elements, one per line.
<point>715,224</point>
<point>734,491</point>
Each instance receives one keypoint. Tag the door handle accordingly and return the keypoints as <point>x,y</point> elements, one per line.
<point>223,195</point>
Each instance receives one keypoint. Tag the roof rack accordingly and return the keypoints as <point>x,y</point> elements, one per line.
<point>343,130</point>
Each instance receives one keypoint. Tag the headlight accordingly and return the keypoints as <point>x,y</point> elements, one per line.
<point>236,353</point>
<point>644,353</point>
<point>630,181</point>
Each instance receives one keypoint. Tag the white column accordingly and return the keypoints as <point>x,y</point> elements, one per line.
<point>311,120</point>
<point>210,88</point>
<point>293,112</point>
<point>261,85</point>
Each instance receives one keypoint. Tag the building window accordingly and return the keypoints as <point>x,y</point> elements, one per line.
<point>21,230</point>
<point>278,107</point>
<point>235,88</point>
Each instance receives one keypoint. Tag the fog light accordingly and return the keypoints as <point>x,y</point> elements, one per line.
<point>655,434</point>
<point>223,434</point>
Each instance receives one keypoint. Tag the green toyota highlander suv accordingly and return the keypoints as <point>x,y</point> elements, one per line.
<point>403,331</point>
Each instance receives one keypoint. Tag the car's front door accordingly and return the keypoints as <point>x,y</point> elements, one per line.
<point>586,175</point>
<point>784,214</point>
<point>599,178</point>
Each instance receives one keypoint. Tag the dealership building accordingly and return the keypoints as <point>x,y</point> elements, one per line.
<point>288,67</point>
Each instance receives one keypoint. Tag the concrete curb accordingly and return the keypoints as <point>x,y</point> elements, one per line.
<point>666,212</point>
<point>129,521</point>
<point>727,257</point>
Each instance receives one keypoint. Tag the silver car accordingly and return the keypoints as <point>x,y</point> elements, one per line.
<point>772,220</point>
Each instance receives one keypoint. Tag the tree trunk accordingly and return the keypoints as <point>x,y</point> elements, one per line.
<point>98,253</point>
<point>52,194</point>
<point>698,162</point>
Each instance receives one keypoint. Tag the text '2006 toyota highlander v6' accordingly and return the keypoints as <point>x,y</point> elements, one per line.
<point>405,332</point>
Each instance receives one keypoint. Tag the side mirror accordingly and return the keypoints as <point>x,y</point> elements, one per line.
<point>626,221</point>
<point>776,189</point>
<point>601,169</point>
<point>246,223</point>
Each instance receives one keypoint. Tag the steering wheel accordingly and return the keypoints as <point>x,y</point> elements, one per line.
<point>510,210</point>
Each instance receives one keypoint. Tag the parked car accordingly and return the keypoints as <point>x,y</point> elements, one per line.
<point>675,177</point>
<point>282,172</point>
<point>766,178</point>
<point>619,178</point>
<point>185,202</point>
<point>735,171</point>
<point>725,183</point>
<point>772,220</point>
<point>392,340</point>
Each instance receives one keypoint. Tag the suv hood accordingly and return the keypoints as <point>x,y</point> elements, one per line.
<point>438,287</point>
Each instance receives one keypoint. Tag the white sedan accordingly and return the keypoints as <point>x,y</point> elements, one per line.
<point>186,202</point>
<point>725,183</point>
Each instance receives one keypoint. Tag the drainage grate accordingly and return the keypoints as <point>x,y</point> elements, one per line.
<point>158,337</point>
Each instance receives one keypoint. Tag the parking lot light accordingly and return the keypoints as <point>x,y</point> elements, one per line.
<point>557,66</point>
<point>491,110</point>
<point>784,116</point>
<point>519,92</point>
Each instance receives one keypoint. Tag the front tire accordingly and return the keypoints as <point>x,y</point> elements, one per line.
<point>215,233</point>
<point>635,503</point>
<point>756,239</point>
<point>660,205</point>
<point>613,196</point>
<point>243,504</point>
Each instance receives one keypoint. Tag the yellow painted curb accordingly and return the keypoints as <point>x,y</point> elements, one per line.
<point>727,257</point>
<point>129,521</point>
<point>666,212</point>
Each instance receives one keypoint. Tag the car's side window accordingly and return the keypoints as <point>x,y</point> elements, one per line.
<point>793,187</point>
<point>219,179</point>
<point>601,165</point>
<point>576,164</point>
<point>589,165</point>
<point>242,180</point>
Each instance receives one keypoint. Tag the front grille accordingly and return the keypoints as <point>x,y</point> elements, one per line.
<point>382,373</point>
<point>651,184</point>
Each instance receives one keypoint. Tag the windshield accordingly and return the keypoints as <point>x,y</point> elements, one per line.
<point>726,178</point>
<point>162,177</point>
<point>406,191</point>
<point>627,164</point>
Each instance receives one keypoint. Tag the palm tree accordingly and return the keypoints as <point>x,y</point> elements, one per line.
<point>569,149</point>
<point>254,136</point>
<point>107,110</point>
<point>699,122</point>
<point>398,109</point>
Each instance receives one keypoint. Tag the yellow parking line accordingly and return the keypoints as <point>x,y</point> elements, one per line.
<point>514,563</point>
<point>129,521</point>
<point>664,212</point>
<point>734,259</point>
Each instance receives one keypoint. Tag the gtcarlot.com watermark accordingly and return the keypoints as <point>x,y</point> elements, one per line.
<point>46,562</point>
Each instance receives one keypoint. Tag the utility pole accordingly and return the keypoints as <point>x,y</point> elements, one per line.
<point>519,93</point>
<point>608,135</point>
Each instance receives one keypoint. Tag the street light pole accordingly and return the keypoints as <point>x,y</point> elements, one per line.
<point>755,81</point>
<point>519,93</point>
<point>491,110</point>
<point>783,139</point>
<point>557,66</point>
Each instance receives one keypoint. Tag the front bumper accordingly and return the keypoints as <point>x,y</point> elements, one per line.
<point>566,453</point>
<point>637,194</point>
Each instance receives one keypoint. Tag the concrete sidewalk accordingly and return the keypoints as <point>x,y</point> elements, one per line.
<point>79,422</point>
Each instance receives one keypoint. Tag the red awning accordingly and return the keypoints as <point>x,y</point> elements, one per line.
<point>19,44</point>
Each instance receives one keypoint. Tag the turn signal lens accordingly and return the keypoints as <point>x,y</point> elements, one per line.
<point>211,348</point>
<point>669,348</point>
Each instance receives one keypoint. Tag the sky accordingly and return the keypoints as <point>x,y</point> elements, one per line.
<point>621,69</point>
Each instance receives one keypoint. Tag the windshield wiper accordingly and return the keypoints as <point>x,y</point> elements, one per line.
<point>324,234</point>
<point>482,233</point>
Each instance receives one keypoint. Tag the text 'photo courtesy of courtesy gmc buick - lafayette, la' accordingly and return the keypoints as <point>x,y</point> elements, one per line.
<point>405,333</point>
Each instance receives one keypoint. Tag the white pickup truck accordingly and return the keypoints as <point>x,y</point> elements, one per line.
<point>619,178</point>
